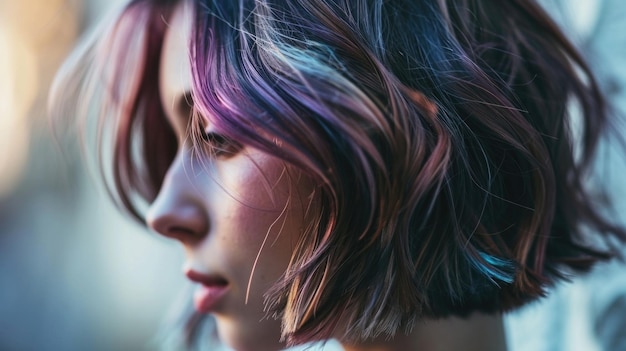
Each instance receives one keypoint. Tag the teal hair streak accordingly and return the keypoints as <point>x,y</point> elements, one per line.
<point>497,269</point>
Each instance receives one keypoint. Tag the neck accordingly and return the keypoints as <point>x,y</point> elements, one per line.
<point>400,341</point>
<point>476,333</point>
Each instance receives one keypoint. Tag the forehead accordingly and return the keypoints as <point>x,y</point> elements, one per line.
<point>175,71</point>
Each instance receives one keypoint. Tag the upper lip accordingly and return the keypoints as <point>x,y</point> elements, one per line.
<point>205,279</point>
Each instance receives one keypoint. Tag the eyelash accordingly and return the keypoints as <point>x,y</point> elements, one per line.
<point>219,144</point>
<point>215,144</point>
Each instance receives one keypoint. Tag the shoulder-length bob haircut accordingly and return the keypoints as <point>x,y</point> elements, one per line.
<point>439,132</point>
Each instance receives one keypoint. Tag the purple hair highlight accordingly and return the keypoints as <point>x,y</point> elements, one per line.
<point>437,165</point>
<point>438,134</point>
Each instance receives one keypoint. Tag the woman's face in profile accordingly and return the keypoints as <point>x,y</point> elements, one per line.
<point>238,212</point>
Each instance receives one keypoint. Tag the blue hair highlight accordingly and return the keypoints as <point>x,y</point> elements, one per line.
<point>495,268</point>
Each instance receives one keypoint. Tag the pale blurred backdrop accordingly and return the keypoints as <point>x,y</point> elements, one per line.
<point>77,275</point>
<point>74,273</point>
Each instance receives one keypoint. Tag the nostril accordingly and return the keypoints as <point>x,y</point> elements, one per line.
<point>175,228</point>
<point>181,234</point>
<point>182,222</point>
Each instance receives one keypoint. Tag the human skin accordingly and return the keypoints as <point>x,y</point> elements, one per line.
<point>231,207</point>
<point>226,209</point>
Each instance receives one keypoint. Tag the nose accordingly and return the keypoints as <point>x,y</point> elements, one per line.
<point>178,212</point>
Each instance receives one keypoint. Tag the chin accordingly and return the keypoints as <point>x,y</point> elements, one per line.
<point>259,336</point>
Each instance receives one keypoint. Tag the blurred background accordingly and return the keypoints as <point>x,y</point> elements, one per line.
<point>75,274</point>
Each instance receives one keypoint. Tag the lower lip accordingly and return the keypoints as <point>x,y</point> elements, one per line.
<point>207,297</point>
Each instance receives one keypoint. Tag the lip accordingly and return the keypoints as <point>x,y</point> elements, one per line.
<point>209,294</point>
<point>206,298</point>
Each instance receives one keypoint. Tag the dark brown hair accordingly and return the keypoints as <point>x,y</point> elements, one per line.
<point>440,134</point>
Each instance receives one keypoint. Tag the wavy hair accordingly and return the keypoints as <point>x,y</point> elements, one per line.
<point>440,134</point>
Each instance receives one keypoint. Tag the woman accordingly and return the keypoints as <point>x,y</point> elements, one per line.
<point>361,170</point>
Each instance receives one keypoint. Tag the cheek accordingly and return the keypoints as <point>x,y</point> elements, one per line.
<point>265,199</point>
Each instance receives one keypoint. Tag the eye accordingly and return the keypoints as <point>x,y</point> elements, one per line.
<point>218,144</point>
